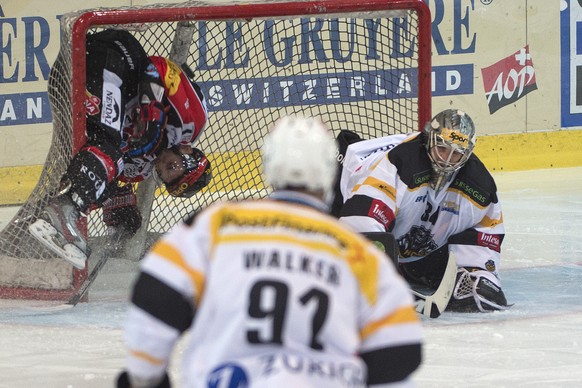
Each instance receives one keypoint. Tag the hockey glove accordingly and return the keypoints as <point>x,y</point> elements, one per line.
<point>123,382</point>
<point>149,122</point>
<point>475,292</point>
<point>121,211</point>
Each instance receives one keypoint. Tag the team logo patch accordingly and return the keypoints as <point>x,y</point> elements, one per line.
<point>92,104</point>
<point>172,78</point>
<point>451,207</point>
<point>491,241</point>
<point>490,266</point>
<point>509,79</point>
<point>381,213</point>
<point>417,242</point>
<point>228,375</point>
<point>152,71</point>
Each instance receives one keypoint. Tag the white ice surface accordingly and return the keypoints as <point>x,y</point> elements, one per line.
<point>537,343</point>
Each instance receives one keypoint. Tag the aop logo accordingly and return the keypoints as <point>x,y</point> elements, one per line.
<point>509,79</point>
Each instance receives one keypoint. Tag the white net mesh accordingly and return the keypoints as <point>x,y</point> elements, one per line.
<point>358,69</point>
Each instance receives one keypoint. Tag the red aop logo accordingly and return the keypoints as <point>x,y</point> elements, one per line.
<point>381,213</point>
<point>509,79</point>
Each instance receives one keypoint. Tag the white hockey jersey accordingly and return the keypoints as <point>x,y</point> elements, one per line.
<point>279,294</point>
<point>390,191</point>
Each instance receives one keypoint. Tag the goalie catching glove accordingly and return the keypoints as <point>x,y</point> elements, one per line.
<point>475,291</point>
<point>121,211</point>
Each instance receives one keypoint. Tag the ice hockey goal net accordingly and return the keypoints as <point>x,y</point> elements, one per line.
<point>360,65</point>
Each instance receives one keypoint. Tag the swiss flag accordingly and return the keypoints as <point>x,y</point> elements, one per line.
<point>509,79</point>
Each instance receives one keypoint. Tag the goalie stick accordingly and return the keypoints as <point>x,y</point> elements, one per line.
<point>432,303</point>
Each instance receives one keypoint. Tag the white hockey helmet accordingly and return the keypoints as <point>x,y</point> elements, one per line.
<point>299,153</point>
<point>452,132</point>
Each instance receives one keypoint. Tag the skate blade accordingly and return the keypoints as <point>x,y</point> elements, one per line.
<point>46,234</point>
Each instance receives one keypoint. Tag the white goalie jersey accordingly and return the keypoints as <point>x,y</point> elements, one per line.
<point>275,294</point>
<point>390,191</point>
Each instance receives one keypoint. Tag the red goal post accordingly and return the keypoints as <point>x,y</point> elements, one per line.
<point>360,65</point>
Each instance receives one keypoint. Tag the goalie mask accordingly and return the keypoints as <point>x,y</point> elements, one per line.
<point>184,170</point>
<point>450,141</point>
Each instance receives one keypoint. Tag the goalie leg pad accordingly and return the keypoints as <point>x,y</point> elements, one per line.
<point>476,292</point>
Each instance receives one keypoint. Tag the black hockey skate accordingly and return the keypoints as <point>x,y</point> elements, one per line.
<point>57,230</point>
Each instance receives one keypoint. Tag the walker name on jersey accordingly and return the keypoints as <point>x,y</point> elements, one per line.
<point>293,262</point>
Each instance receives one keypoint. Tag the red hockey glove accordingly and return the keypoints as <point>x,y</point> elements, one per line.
<point>121,211</point>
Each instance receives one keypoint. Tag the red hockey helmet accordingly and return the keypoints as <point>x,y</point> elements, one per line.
<point>184,170</point>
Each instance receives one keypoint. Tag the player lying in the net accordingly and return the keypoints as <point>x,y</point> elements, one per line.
<point>432,192</point>
<point>142,114</point>
<point>275,292</point>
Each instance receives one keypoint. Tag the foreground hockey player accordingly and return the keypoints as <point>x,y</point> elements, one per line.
<point>142,113</point>
<point>435,196</point>
<point>276,293</point>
